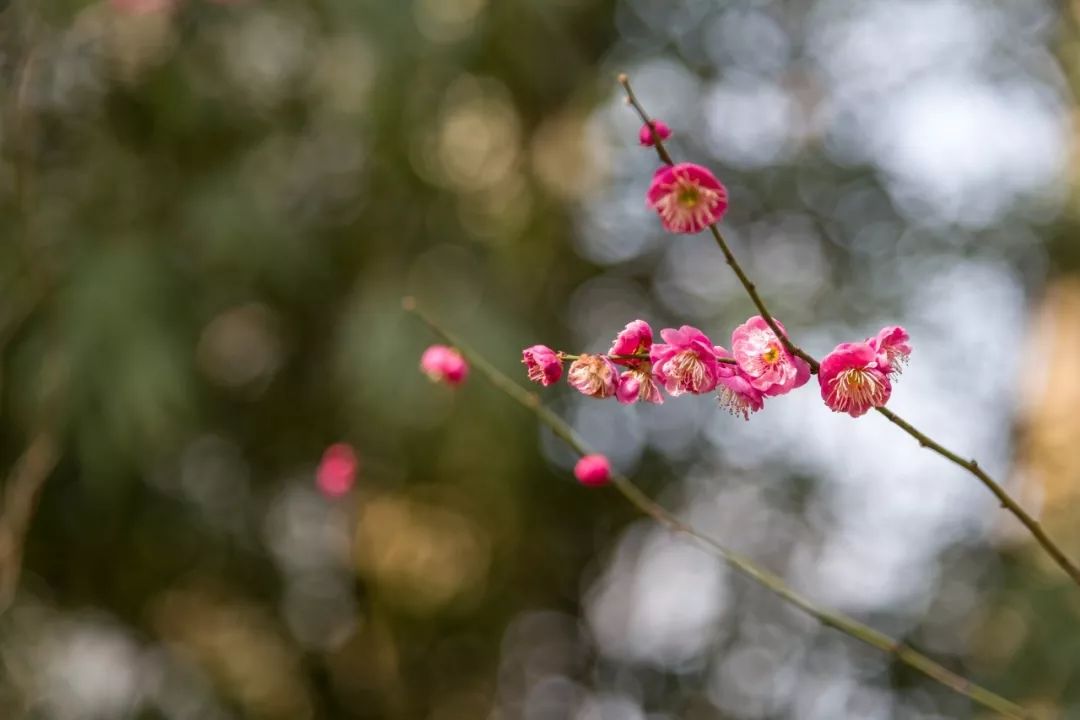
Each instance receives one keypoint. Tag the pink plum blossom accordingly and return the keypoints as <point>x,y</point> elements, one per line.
<point>593,375</point>
<point>544,364</point>
<point>687,197</point>
<point>762,357</point>
<point>854,377</point>
<point>444,364</point>
<point>645,136</point>
<point>593,470</point>
<point>686,361</point>
<point>637,383</point>
<point>892,343</point>
<point>337,470</point>
<point>738,396</point>
<point>141,7</point>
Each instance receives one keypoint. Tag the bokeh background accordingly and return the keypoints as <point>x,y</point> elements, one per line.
<point>212,209</point>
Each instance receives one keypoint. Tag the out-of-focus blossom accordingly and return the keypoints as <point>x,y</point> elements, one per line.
<point>762,357</point>
<point>593,470</point>
<point>143,7</point>
<point>645,136</point>
<point>543,364</point>
<point>686,361</point>
<point>854,377</point>
<point>444,364</point>
<point>892,343</point>
<point>687,197</point>
<point>593,375</point>
<point>337,470</point>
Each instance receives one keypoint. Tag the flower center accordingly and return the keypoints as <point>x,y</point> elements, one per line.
<point>689,369</point>
<point>771,355</point>
<point>688,195</point>
<point>855,387</point>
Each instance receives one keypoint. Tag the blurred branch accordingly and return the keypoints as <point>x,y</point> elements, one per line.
<point>20,499</point>
<point>847,625</point>
<point>971,465</point>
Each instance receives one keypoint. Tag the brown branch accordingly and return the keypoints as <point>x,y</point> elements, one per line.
<point>20,500</point>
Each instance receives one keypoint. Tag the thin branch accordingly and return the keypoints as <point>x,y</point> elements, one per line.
<point>1007,502</point>
<point>846,625</point>
<point>20,500</point>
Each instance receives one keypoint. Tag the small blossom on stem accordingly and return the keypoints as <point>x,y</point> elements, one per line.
<point>685,362</point>
<point>444,364</point>
<point>593,375</point>
<point>543,364</point>
<point>854,378</point>
<point>892,343</point>
<point>593,470</point>
<point>634,339</point>
<point>337,470</point>
<point>645,136</point>
<point>763,359</point>
<point>638,384</point>
<point>738,396</point>
<point>687,197</point>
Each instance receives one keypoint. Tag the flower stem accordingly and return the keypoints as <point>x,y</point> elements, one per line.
<point>1007,502</point>
<point>772,582</point>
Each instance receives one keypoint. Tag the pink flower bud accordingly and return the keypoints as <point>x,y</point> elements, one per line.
<point>645,136</point>
<point>444,364</point>
<point>593,470</point>
<point>543,364</point>
<point>687,197</point>
<point>337,470</point>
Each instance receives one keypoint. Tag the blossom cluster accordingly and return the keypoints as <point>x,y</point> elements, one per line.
<point>854,377</point>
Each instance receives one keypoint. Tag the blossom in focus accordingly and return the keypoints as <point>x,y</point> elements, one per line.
<point>337,470</point>
<point>593,470</point>
<point>737,394</point>
<point>543,364</point>
<point>764,360</point>
<point>645,136</point>
<point>593,375</point>
<point>687,197</point>
<point>685,361</point>
<point>854,378</point>
<point>638,384</point>
<point>634,339</point>
<point>444,364</point>
<point>892,344</point>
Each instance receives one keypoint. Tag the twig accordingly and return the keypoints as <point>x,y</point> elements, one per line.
<point>20,499</point>
<point>1007,502</point>
<point>846,625</point>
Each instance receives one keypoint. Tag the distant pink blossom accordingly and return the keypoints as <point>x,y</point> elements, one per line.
<point>892,343</point>
<point>738,396</point>
<point>854,377</point>
<point>444,364</point>
<point>337,470</point>
<point>593,375</point>
<point>645,136</point>
<point>686,361</point>
<point>687,197</point>
<point>543,364</point>
<point>593,470</point>
<point>762,357</point>
<point>143,7</point>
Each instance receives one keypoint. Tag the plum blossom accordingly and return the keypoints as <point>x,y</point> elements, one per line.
<point>762,357</point>
<point>593,470</point>
<point>444,364</point>
<point>636,383</point>
<point>854,377</point>
<point>593,375</point>
<point>337,470</point>
<point>738,396</point>
<point>645,136</point>
<point>685,362</point>
<point>543,364</point>
<point>687,197</point>
<point>892,343</point>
